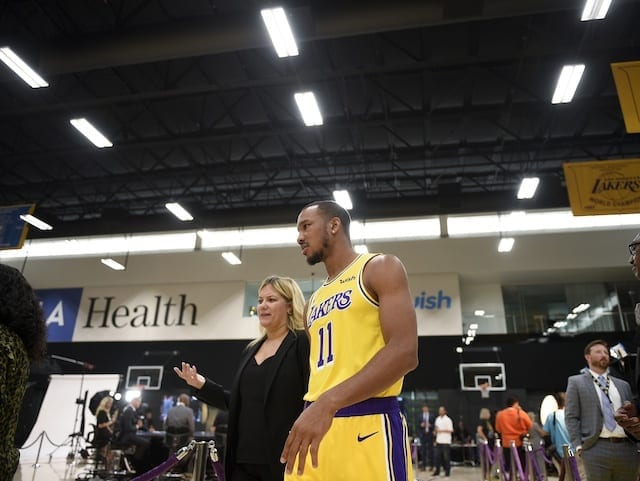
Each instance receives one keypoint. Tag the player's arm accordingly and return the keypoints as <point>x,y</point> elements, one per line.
<point>386,278</point>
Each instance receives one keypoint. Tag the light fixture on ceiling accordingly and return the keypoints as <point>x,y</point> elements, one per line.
<point>568,81</point>
<point>115,265</point>
<point>361,249</point>
<point>275,19</point>
<point>35,222</point>
<point>581,308</point>
<point>528,187</point>
<point>506,244</point>
<point>180,212</point>
<point>309,109</point>
<point>231,258</point>
<point>96,137</point>
<point>343,198</point>
<point>595,9</point>
<point>478,312</point>
<point>20,67</point>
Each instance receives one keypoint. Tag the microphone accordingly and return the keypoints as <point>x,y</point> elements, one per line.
<point>86,365</point>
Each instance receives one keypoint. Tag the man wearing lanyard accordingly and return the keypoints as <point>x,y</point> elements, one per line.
<point>592,398</point>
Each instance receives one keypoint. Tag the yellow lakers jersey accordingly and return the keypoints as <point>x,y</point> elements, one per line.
<point>344,330</point>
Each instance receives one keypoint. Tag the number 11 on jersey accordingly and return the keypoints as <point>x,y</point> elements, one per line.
<point>326,341</point>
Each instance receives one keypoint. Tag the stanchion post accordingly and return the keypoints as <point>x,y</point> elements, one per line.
<point>200,461</point>
<point>36,464</point>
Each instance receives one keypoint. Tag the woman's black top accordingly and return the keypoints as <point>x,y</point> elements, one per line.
<point>251,423</point>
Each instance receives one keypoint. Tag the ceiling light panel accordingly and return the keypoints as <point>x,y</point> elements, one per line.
<point>567,84</point>
<point>20,67</point>
<point>87,129</point>
<point>308,107</point>
<point>275,19</point>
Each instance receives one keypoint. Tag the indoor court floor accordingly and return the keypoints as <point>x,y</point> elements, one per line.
<point>59,470</point>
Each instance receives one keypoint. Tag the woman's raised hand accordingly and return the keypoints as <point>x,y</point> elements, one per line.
<point>190,375</point>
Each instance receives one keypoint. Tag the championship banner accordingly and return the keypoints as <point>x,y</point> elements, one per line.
<point>605,187</point>
<point>627,78</point>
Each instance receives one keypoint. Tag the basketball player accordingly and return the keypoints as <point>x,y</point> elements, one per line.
<point>363,337</point>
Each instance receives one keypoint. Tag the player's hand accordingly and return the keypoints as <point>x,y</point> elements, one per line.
<point>190,375</point>
<point>627,417</point>
<point>305,436</point>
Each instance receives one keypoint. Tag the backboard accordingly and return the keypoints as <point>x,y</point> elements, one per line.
<point>478,376</point>
<point>144,377</point>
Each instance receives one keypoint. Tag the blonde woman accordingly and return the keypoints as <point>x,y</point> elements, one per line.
<point>266,396</point>
<point>104,427</point>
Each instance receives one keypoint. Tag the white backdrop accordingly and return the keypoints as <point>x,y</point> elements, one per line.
<point>57,415</point>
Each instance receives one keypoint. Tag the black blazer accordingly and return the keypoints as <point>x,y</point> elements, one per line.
<point>282,401</point>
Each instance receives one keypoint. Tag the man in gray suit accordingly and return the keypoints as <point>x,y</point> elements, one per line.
<point>592,398</point>
<point>180,423</point>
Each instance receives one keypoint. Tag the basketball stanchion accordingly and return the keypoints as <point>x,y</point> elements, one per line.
<point>533,470</point>
<point>516,471</point>
<point>569,470</point>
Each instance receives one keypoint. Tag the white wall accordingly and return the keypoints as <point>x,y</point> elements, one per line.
<point>553,258</point>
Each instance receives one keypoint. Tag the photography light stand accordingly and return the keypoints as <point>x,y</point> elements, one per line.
<point>77,434</point>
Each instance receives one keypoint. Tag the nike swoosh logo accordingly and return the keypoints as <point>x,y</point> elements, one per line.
<point>362,438</point>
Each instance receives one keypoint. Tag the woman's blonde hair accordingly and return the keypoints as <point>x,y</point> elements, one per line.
<point>485,413</point>
<point>102,406</point>
<point>290,292</point>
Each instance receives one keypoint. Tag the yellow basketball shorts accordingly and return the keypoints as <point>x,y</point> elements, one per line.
<point>368,440</point>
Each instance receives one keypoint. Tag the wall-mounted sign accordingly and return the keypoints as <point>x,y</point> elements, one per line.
<point>13,230</point>
<point>604,187</point>
<point>627,78</point>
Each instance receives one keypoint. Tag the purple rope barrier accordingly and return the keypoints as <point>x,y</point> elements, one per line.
<point>544,455</point>
<point>217,465</point>
<point>573,464</point>
<point>484,459</point>
<point>514,452</point>
<point>490,456</point>
<point>505,473</point>
<point>159,469</point>
<point>533,460</point>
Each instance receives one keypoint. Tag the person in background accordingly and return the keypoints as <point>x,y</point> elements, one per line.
<point>536,435</point>
<point>22,340</point>
<point>592,398</point>
<point>444,434</point>
<point>266,395</point>
<point>167,403</point>
<point>130,420</point>
<point>425,433</point>
<point>460,433</point>
<point>513,424</point>
<point>104,429</point>
<point>364,340</point>
<point>484,431</point>
<point>556,429</point>
<point>181,420</point>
